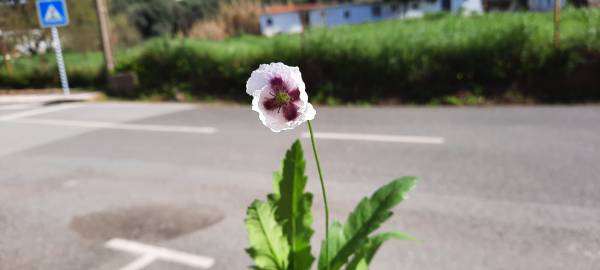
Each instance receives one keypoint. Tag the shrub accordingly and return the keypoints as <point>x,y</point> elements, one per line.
<point>418,61</point>
<point>410,60</point>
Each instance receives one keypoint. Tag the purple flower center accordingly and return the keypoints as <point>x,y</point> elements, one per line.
<point>282,99</point>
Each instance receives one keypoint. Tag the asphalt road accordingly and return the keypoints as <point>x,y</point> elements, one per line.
<point>500,187</point>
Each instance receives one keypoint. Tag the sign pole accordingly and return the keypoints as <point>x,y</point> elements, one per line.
<point>60,62</point>
<point>53,13</point>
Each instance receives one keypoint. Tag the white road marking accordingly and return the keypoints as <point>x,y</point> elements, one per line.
<point>140,262</point>
<point>13,107</point>
<point>124,126</point>
<point>376,138</point>
<point>44,110</point>
<point>5,99</point>
<point>151,253</point>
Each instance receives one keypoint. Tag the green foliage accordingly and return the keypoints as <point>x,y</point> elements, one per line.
<point>362,258</point>
<point>418,61</point>
<point>268,246</point>
<point>20,21</point>
<point>160,17</point>
<point>293,207</point>
<point>348,239</point>
<point>289,206</point>
<point>438,59</point>
<point>82,32</point>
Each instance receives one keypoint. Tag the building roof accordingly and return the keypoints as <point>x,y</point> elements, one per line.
<point>275,9</point>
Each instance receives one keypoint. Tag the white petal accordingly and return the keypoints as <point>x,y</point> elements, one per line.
<point>309,113</point>
<point>258,80</point>
<point>265,72</point>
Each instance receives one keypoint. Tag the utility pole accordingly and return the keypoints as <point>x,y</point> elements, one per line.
<point>6,59</point>
<point>557,23</point>
<point>104,25</point>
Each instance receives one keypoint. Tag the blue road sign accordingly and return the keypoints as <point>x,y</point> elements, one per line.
<point>52,13</point>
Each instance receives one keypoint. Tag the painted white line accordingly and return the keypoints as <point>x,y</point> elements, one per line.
<point>13,107</point>
<point>124,126</point>
<point>44,110</point>
<point>376,138</point>
<point>150,253</point>
<point>140,262</point>
<point>4,99</point>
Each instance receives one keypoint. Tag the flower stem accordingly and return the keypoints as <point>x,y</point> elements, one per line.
<point>323,191</point>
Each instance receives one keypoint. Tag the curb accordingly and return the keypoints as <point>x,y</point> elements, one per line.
<point>48,98</point>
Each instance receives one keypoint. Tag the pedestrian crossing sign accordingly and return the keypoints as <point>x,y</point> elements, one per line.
<point>52,13</point>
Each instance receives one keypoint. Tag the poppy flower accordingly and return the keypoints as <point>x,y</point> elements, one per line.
<point>279,96</point>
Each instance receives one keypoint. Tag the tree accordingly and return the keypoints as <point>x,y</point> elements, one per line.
<point>164,17</point>
<point>189,11</point>
<point>16,23</point>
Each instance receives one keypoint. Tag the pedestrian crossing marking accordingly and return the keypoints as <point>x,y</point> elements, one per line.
<point>52,15</point>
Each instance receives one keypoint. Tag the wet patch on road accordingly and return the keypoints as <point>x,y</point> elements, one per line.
<point>147,223</point>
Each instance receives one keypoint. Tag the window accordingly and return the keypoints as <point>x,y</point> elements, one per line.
<point>376,11</point>
<point>394,7</point>
<point>269,21</point>
<point>304,18</point>
<point>415,5</point>
<point>347,14</point>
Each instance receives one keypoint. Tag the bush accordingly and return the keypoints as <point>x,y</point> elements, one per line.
<point>411,60</point>
<point>415,61</point>
<point>84,71</point>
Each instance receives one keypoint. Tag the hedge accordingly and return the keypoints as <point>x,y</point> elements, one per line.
<point>413,61</point>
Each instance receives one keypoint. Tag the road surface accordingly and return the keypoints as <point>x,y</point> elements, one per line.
<point>500,187</point>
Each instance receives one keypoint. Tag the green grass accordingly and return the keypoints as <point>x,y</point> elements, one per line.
<point>419,60</point>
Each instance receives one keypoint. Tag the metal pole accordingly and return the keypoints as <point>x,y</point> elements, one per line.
<point>104,25</point>
<point>557,23</point>
<point>60,62</point>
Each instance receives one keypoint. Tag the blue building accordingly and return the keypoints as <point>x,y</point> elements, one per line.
<point>293,18</point>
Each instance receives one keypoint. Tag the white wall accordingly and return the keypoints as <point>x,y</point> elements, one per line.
<point>359,13</point>
<point>419,8</point>
<point>317,17</point>
<point>456,5</point>
<point>332,16</point>
<point>280,23</point>
<point>393,11</point>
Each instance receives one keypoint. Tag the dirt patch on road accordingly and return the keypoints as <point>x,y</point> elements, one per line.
<point>148,222</point>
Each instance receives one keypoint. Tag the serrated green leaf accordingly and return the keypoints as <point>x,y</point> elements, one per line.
<point>368,215</point>
<point>363,257</point>
<point>336,240</point>
<point>362,265</point>
<point>274,197</point>
<point>268,247</point>
<point>294,207</point>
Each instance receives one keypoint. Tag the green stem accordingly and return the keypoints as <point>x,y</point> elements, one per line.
<point>323,191</point>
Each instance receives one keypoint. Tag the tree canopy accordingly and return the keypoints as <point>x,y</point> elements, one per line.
<point>160,17</point>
